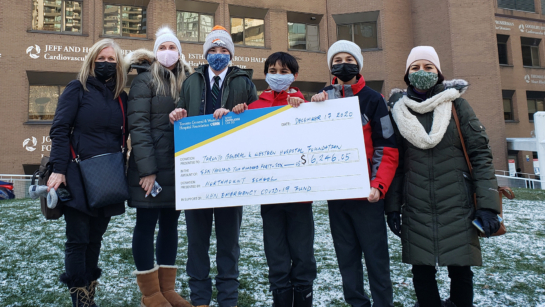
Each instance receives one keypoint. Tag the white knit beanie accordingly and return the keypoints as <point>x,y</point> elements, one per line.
<point>345,46</point>
<point>165,34</point>
<point>423,53</point>
<point>218,37</point>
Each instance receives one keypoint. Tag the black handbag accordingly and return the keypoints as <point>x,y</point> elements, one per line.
<point>104,176</point>
<point>42,174</point>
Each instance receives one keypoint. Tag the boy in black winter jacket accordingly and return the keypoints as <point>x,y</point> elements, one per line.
<point>358,225</point>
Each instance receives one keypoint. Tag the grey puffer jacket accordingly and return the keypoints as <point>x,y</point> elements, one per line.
<point>152,136</point>
<point>433,188</point>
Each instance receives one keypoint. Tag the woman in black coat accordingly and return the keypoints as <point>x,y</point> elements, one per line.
<point>89,118</point>
<point>154,93</point>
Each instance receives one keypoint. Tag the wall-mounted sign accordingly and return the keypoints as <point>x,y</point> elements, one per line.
<point>197,59</point>
<point>504,25</point>
<point>535,79</point>
<point>523,27</point>
<point>31,144</point>
<point>60,53</point>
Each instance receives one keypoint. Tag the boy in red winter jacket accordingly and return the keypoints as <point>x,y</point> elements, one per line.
<point>288,229</point>
<point>358,225</point>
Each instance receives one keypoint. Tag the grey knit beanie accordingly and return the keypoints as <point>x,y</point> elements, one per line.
<point>219,37</point>
<point>165,34</point>
<point>345,46</point>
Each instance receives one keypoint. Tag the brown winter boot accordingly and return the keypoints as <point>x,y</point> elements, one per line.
<point>148,282</point>
<point>167,280</point>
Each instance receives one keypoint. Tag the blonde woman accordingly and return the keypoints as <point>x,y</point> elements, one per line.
<point>89,115</point>
<point>153,95</point>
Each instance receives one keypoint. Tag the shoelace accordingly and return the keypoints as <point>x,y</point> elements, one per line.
<point>83,293</point>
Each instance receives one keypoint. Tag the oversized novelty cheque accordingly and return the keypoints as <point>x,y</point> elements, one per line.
<point>271,155</point>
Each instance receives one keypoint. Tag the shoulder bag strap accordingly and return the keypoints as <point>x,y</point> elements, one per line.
<point>470,167</point>
<point>74,157</point>
<point>462,138</point>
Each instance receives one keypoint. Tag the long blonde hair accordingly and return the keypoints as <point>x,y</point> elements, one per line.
<point>88,67</point>
<point>175,81</point>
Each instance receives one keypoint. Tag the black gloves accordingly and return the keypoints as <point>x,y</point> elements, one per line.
<point>394,222</point>
<point>489,221</point>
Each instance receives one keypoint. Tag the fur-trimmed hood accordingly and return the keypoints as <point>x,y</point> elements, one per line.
<point>459,84</point>
<point>142,59</point>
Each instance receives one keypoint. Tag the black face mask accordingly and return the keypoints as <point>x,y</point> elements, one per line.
<point>345,71</point>
<point>105,70</point>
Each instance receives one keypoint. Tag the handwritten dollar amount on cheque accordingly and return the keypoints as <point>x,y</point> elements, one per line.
<point>265,160</point>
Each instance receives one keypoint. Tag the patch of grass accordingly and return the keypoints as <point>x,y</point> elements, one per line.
<point>528,194</point>
<point>32,257</point>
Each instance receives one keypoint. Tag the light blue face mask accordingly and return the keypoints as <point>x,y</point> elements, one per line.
<point>218,61</point>
<point>278,82</point>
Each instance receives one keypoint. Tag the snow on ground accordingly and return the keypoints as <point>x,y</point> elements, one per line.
<point>31,258</point>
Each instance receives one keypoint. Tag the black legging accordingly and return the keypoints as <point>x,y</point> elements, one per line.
<point>427,293</point>
<point>167,238</point>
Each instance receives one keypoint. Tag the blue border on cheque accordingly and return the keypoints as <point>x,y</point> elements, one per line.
<point>197,131</point>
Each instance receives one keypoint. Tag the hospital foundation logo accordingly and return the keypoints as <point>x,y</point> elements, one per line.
<point>527,78</point>
<point>521,28</point>
<point>27,144</point>
<point>33,51</point>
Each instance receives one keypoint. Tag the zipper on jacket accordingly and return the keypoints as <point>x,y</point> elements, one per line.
<point>434,211</point>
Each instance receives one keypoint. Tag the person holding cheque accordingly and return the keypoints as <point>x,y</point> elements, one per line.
<point>358,225</point>
<point>433,188</point>
<point>87,124</point>
<point>214,88</point>
<point>154,93</point>
<point>288,229</point>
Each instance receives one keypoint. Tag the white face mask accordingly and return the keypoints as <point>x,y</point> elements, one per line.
<point>279,82</point>
<point>167,58</point>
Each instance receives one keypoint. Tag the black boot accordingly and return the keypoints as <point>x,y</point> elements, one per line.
<point>448,303</point>
<point>93,284</point>
<point>78,290</point>
<point>302,296</point>
<point>283,297</point>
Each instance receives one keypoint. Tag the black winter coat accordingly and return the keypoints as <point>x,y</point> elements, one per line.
<point>152,135</point>
<point>96,121</point>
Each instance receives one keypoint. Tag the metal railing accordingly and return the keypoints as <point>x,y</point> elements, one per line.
<point>518,174</point>
<point>519,182</point>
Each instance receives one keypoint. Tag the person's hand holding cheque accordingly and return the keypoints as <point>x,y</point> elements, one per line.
<point>323,96</point>
<point>295,102</point>
<point>177,114</point>
<point>239,108</point>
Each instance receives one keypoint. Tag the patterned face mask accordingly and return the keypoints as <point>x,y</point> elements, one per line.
<point>423,80</point>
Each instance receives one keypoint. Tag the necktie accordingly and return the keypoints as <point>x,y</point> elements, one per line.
<point>216,90</point>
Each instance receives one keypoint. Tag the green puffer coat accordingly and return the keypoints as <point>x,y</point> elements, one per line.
<point>433,188</point>
<point>237,88</point>
<point>152,136</point>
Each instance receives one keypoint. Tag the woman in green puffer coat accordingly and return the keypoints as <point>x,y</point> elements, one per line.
<point>433,188</point>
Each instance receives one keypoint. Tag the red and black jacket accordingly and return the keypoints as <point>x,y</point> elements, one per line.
<point>270,98</point>
<point>378,131</point>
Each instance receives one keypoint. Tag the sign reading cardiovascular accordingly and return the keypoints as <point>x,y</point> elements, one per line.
<point>271,155</point>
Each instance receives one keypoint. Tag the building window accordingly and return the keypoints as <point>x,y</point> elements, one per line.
<point>502,48</point>
<point>193,27</point>
<point>534,105</point>
<point>508,114</point>
<point>364,34</point>
<point>124,20</point>
<point>303,37</point>
<point>42,102</point>
<point>519,5</point>
<point>530,51</point>
<point>248,31</point>
<point>56,15</point>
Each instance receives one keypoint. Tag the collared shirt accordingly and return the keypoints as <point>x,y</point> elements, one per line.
<point>211,76</point>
